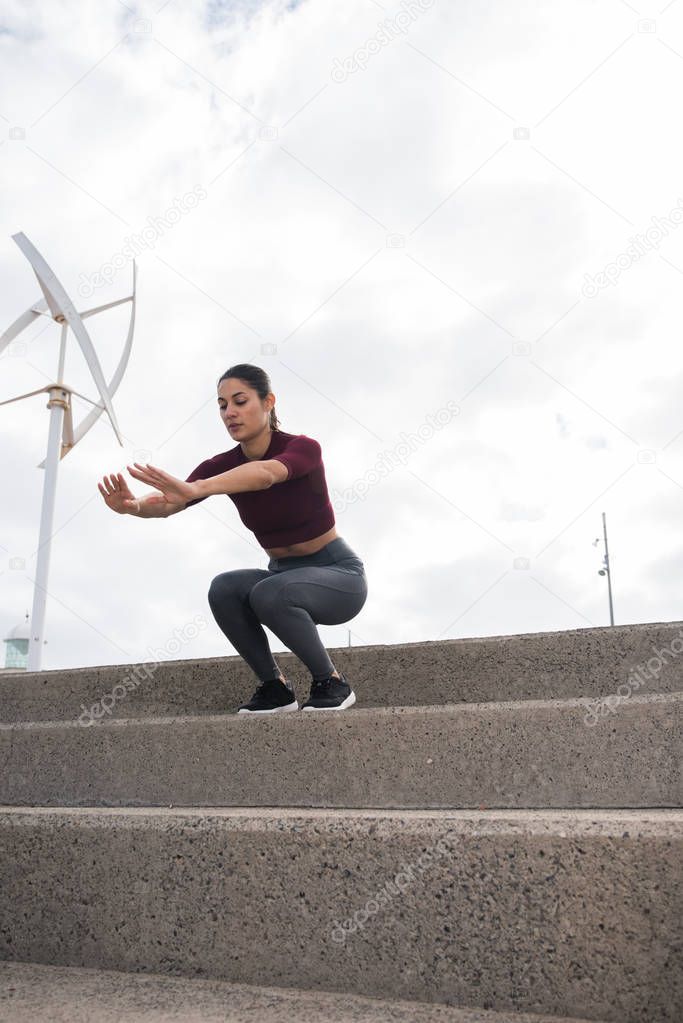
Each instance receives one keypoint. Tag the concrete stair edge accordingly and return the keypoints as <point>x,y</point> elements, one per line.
<point>589,662</point>
<point>77,994</point>
<point>673,696</point>
<point>518,754</point>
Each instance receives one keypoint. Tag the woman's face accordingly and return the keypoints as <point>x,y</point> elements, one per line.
<point>241,409</point>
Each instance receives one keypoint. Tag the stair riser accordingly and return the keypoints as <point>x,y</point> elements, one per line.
<point>512,755</point>
<point>552,665</point>
<point>576,916</point>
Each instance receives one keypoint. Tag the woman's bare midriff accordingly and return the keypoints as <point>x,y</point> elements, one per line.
<point>307,547</point>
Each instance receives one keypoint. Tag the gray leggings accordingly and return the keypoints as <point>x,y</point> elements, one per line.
<point>291,596</point>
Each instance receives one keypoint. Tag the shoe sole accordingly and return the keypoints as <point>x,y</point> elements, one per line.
<point>348,702</point>
<point>273,710</point>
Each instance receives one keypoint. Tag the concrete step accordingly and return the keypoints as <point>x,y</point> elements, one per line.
<point>70,994</point>
<point>588,663</point>
<point>530,753</point>
<point>568,913</point>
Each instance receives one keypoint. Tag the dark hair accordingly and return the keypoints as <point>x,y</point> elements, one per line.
<point>256,378</point>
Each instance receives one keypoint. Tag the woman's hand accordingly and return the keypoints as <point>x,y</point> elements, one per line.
<point>117,496</point>
<point>174,491</point>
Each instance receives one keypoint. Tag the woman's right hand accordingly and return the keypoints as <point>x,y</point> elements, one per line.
<point>118,496</point>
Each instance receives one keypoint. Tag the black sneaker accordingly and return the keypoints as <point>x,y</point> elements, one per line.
<point>270,698</point>
<point>331,694</point>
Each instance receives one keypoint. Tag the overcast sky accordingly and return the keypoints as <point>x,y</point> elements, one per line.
<point>453,218</point>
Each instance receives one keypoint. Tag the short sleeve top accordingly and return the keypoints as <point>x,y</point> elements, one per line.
<point>290,512</point>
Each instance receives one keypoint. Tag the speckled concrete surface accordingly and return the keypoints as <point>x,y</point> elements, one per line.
<point>525,754</point>
<point>567,913</point>
<point>546,665</point>
<point>30,993</point>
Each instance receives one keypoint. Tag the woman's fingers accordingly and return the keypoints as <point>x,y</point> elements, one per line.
<point>114,483</point>
<point>123,485</point>
<point>152,471</point>
<point>155,477</point>
<point>148,467</point>
<point>140,474</point>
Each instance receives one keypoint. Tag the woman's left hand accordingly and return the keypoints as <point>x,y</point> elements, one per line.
<point>174,490</point>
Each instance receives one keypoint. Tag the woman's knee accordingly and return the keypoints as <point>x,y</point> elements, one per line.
<point>224,586</point>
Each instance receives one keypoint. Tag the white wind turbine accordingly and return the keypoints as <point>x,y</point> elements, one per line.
<point>57,305</point>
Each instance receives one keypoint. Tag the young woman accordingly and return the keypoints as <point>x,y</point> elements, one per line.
<point>277,481</point>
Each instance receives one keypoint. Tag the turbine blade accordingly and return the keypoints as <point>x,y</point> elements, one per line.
<point>102,308</point>
<point>96,412</point>
<point>49,297</point>
<point>27,395</point>
<point>21,323</point>
<point>55,291</point>
<point>86,398</point>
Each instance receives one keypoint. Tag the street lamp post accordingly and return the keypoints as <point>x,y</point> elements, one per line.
<point>605,570</point>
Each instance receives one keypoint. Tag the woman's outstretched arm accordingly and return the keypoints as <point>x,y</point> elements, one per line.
<point>255,475</point>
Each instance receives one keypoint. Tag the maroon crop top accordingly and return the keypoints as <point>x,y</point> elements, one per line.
<point>290,512</point>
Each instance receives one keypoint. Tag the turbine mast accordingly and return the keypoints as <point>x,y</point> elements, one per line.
<point>56,304</point>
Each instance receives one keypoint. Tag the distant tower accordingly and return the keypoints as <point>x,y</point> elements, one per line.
<point>16,651</point>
